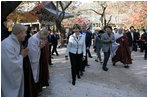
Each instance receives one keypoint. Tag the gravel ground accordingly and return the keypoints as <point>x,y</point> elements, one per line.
<point>116,82</point>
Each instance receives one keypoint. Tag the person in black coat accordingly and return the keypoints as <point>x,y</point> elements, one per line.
<point>49,40</point>
<point>4,30</point>
<point>144,37</point>
<point>132,37</point>
<point>89,54</point>
<point>88,44</point>
<point>54,41</point>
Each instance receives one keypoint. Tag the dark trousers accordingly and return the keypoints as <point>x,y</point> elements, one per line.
<point>84,63</point>
<point>145,48</point>
<point>134,46</point>
<point>106,57</point>
<point>54,49</point>
<point>141,46</point>
<point>49,54</point>
<point>76,63</point>
<point>89,54</point>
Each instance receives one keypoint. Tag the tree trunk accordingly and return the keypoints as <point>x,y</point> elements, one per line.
<point>62,32</point>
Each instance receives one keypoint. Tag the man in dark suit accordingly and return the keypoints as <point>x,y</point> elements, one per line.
<point>132,37</point>
<point>54,41</point>
<point>88,44</point>
<point>49,40</point>
<point>89,54</point>
<point>144,37</point>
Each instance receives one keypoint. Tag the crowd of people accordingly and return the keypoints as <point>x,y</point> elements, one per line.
<point>25,59</point>
<point>26,56</point>
<point>118,44</point>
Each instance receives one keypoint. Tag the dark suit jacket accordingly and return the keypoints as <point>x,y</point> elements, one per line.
<point>131,41</point>
<point>87,39</point>
<point>54,39</point>
<point>49,38</point>
<point>144,36</point>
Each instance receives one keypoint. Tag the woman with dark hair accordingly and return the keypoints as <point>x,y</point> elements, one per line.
<point>76,49</point>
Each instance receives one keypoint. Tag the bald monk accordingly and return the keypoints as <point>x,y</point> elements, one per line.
<point>12,76</point>
<point>35,44</point>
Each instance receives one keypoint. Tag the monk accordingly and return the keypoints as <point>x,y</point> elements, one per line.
<point>30,89</point>
<point>36,45</point>
<point>121,51</point>
<point>12,76</point>
<point>44,61</point>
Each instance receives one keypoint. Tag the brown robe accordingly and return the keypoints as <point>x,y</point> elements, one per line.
<point>30,89</point>
<point>44,61</point>
<point>123,52</point>
<point>29,84</point>
<point>44,72</point>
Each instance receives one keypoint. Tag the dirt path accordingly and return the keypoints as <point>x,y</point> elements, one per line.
<point>117,82</point>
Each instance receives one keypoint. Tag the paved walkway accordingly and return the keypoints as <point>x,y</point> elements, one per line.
<point>117,82</point>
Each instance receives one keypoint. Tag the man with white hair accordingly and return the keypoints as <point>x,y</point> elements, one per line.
<point>35,43</point>
<point>12,76</point>
<point>121,52</point>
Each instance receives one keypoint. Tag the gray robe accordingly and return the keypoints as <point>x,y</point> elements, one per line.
<point>34,55</point>
<point>12,76</point>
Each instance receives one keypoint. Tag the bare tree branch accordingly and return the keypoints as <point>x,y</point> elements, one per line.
<point>95,11</point>
<point>57,9</point>
<point>63,9</point>
<point>109,20</point>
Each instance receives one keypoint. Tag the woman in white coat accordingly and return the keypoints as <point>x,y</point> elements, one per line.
<point>77,51</point>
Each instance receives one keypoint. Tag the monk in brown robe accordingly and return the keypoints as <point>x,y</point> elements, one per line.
<point>29,84</point>
<point>121,52</point>
<point>30,89</point>
<point>44,61</point>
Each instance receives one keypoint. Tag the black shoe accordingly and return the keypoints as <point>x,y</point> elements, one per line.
<point>90,57</point>
<point>83,70</point>
<point>52,57</point>
<point>57,54</point>
<point>105,68</point>
<point>96,60</point>
<point>126,66</point>
<point>101,62</point>
<point>81,73</point>
<point>50,64</point>
<point>114,64</point>
<point>87,65</point>
<point>79,77</point>
<point>73,82</point>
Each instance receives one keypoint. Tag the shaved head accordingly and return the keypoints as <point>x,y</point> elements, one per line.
<point>120,30</point>
<point>18,28</point>
<point>43,31</point>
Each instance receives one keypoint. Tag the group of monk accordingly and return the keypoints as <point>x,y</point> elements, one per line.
<point>24,66</point>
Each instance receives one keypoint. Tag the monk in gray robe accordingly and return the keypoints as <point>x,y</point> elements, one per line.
<point>12,76</point>
<point>35,44</point>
